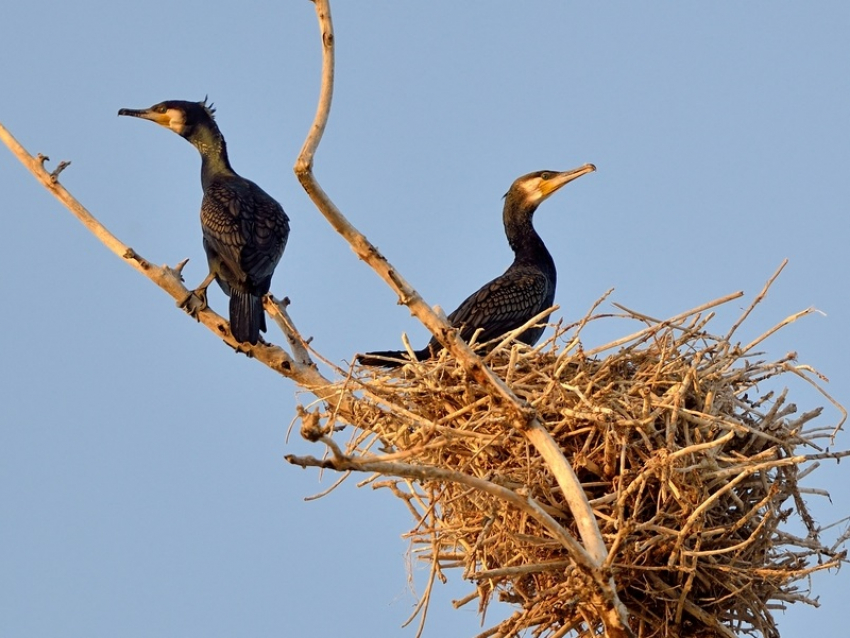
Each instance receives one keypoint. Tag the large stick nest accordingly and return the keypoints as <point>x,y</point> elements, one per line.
<point>690,463</point>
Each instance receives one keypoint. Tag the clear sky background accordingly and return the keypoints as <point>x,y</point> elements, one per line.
<point>143,490</point>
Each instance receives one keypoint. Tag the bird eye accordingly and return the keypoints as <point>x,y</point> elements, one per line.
<point>545,175</point>
<point>160,108</point>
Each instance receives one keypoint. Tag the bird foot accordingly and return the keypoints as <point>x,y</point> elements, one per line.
<point>195,302</point>
<point>245,348</point>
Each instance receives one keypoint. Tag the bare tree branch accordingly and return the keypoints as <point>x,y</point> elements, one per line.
<point>524,419</point>
<point>301,370</point>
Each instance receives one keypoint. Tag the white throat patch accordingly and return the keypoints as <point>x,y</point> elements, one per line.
<point>176,120</point>
<point>531,189</point>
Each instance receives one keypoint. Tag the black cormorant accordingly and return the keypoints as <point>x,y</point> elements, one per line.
<point>525,289</point>
<point>244,229</point>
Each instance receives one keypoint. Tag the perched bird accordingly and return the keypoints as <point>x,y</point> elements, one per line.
<point>244,229</point>
<point>526,288</point>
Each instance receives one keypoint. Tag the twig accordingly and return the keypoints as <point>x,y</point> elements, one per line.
<point>277,310</point>
<point>758,299</point>
<point>672,321</point>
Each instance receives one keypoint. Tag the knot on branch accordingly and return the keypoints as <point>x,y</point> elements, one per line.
<point>61,166</point>
<point>311,425</point>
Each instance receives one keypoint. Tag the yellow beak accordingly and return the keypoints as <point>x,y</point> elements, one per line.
<point>558,180</point>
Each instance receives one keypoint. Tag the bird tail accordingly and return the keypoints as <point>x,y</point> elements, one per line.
<point>391,358</point>
<point>246,316</point>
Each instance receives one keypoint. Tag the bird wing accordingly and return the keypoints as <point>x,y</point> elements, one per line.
<point>246,230</point>
<point>502,305</point>
<point>267,234</point>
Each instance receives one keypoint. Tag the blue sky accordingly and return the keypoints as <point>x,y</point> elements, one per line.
<point>142,484</point>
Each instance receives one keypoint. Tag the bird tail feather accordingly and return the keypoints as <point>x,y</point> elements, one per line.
<point>391,358</point>
<point>247,318</point>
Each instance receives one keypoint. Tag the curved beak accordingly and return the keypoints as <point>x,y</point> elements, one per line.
<point>559,180</point>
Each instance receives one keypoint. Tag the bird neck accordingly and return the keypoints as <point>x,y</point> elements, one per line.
<point>213,149</point>
<point>527,245</point>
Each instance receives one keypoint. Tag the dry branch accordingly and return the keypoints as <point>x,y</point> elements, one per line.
<point>522,415</point>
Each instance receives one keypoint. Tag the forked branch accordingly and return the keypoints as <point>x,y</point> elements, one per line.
<point>524,417</point>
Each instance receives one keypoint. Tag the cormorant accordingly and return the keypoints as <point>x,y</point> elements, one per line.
<point>244,229</point>
<point>526,288</point>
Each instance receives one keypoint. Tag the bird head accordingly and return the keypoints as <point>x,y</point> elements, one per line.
<point>536,187</point>
<point>180,116</point>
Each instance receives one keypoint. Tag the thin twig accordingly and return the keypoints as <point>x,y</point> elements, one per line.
<point>756,301</point>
